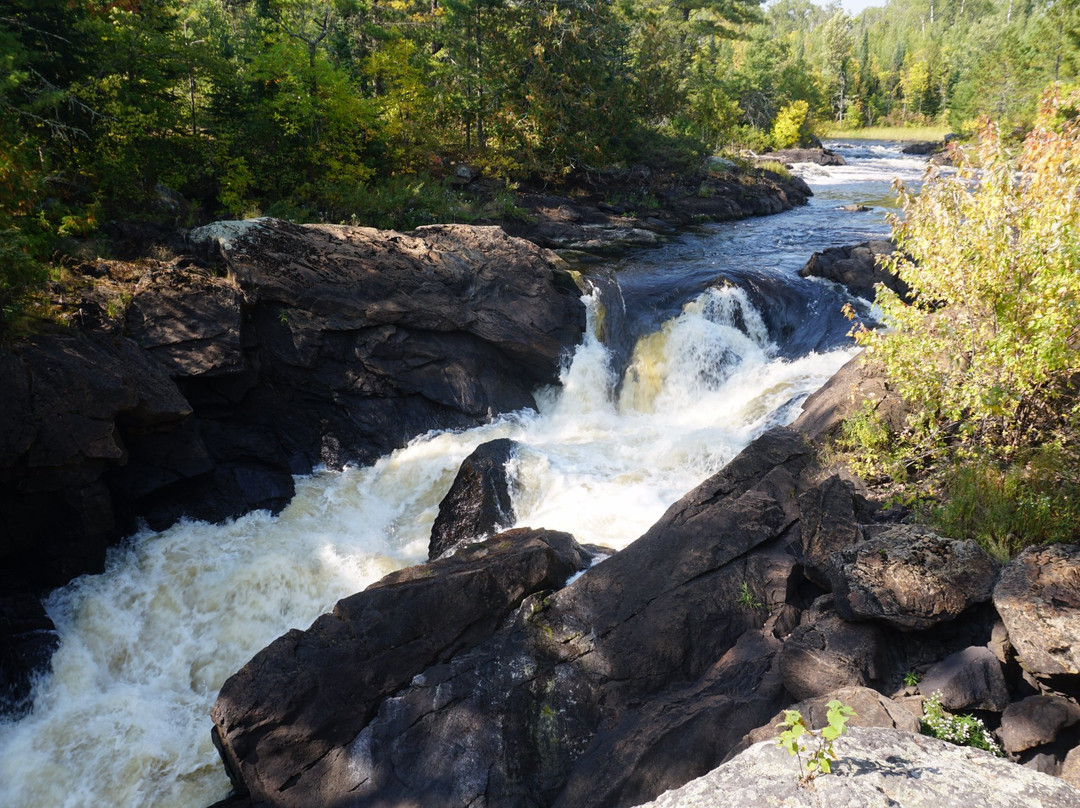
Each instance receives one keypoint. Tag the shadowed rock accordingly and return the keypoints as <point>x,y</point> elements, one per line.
<point>510,720</point>
<point>856,267</point>
<point>971,679</point>
<point>299,701</point>
<point>478,503</point>
<point>826,653</point>
<point>1035,721</point>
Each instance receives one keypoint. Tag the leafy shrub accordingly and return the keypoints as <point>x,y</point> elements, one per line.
<point>790,127</point>
<point>819,749</point>
<point>986,354</point>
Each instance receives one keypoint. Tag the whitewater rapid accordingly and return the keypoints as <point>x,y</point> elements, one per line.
<point>123,718</point>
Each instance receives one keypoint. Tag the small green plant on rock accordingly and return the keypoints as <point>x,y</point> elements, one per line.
<point>818,744</point>
<point>748,599</point>
<point>911,679</point>
<point>962,730</point>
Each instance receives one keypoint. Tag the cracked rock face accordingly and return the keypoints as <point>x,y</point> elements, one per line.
<point>909,578</point>
<point>1038,598</point>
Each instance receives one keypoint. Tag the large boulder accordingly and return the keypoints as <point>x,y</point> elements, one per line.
<point>909,578</point>
<point>1038,598</point>
<point>971,679</point>
<point>875,767</point>
<point>856,267</point>
<point>1035,721</point>
<point>859,388</point>
<point>826,653</point>
<point>364,338</point>
<point>478,503</point>
<point>302,700</point>
<point>213,387</point>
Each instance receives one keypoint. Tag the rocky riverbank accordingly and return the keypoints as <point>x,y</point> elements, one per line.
<point>199,386</point>
<point>776,581</point>
<point>197,382</point>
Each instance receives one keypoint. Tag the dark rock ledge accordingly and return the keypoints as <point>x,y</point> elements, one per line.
<point>771,582</point>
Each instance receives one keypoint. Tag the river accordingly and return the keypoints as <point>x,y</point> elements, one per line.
<point>719,340</point>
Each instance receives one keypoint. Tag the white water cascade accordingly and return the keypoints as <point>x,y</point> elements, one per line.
<point>123,719</point>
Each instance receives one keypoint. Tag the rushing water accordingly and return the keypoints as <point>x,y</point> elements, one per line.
<point>722,339</point>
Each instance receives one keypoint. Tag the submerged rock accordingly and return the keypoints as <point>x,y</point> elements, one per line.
<point>875,767</point>
<point>478,503</point>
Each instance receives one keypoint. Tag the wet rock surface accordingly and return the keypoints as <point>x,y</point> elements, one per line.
<point>319,345</point>
<point>300,702</point>
<point>666,658</point>
<point>478,503</point>
<point>856,267</point>
<point>199,389</point>
<point>821,156</point>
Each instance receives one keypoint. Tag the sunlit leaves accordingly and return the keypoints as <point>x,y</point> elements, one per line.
<point>992,254</point>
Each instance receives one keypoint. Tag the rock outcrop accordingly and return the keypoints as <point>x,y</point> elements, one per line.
<point>204,391</point>
<point>654,665</point>
<point>321,345</point>
<point>821,156</point>
<point>331,679</point>
<point>478,503</point>
<point>875,767</point>
<point>856,267</point>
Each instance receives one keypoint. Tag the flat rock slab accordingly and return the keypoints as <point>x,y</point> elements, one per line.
<point>878,768</point>
<point>1038,598</point>
<point>910,578</point>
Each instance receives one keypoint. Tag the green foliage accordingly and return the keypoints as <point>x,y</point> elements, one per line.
<point>776,169</point>
<point>748,599</point>
<point>789,129</point>
<point>962,730</point>
<point>985,355</point>
<point>911,679</point>
<point>797,738</point>
<point>1007,507</point>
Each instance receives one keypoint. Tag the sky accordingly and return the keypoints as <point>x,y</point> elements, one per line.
<point>855,6</point>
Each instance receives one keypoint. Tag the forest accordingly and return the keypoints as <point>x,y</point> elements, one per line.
<point>182,111</point>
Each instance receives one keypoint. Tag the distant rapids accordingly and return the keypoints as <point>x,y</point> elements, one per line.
<point>720,339</point>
